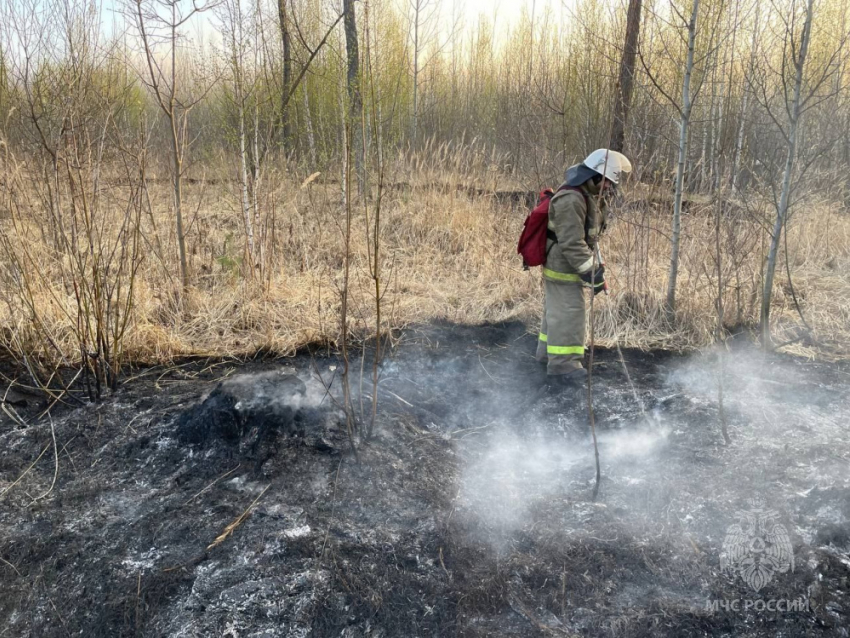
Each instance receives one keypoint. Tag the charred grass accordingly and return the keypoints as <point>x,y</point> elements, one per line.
<point>420,535</point>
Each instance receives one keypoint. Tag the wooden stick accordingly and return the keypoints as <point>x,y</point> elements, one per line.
<point>590,413</point>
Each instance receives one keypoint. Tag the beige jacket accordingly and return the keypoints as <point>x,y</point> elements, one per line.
<point>576,222</point>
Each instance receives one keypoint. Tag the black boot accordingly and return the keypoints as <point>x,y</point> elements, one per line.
<point>572,378</point>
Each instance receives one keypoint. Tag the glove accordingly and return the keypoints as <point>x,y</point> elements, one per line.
<point>598,284</point>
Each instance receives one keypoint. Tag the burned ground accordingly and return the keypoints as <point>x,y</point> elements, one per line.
<point>468,514</point>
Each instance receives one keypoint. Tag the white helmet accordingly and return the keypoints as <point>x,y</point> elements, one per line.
<point>609,163</point>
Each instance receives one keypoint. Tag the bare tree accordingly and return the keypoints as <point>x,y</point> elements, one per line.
<point>797,50</point>
<point>684,123</point>
<point>72,107</point>
<point>788,85</point>
<point>745,102</point>
<point>161,21</point>
<point>684,109</point>
<point>233,22</point>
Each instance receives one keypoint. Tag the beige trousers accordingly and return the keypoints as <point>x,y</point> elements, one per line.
<point>561,340</point>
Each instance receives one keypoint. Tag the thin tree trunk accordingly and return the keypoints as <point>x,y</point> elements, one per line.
<point>286,125</point>
<point>680,166</point>
<point>346,373</point>
<point>710,128</point>
<point>239,93</point>
<point>176,153</point>
<point>417,9</point>
<point>706,134</point>
<point>719,146</point>
<point>256,164</point>
<point>169,105</point>
<point>343,140</point>
<point>243,179</point>
<point>782,209</point>
<point>626,80</point>
<point>719,338</point>
<point>353,85</point>
<point>308,123</point>
<point>726,92</point>
<point>178,200</point>
<point>739,144</point>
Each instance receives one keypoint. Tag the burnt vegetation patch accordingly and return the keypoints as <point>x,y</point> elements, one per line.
<point>224,501</point>
<point>250,410</point>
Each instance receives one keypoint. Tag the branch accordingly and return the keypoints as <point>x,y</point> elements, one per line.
<point>306,66</point>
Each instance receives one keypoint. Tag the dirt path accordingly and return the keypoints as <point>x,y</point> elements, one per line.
<point>467,514</point>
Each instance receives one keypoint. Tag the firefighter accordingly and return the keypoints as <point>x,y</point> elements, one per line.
<point>576,218</point>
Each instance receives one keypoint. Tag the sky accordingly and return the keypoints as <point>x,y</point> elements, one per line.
<point>507,10</point>
<point>505,13</point>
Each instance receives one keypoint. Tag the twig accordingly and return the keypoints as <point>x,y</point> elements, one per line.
<point>12,414</point>
<point>637,398</point>
<point>718,332</point>
<point>333,510</point>
<point>407,403</point>
<point>61,620</point>
<point>138,601</point>
<point>223,476</point>
<point>791,281</point>
<point>467,431</point>
<point>592,416</point>
<point>694,545</point>
<point>58,398</point>
<point>485,369</point>
<point>4,492</point>
<point>68,454</point>
<point>228,531</point>
<point>522,609</point>
<point>5,562</point>
<point>200,558</point>
<point>443,565</point>
<point>56,463</point>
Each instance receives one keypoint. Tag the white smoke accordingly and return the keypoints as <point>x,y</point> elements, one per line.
<point>672,472</point>
<point>515,474</point>
<point>276,390</point>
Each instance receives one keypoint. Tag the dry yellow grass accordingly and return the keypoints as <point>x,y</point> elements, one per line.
<point>445,253</point>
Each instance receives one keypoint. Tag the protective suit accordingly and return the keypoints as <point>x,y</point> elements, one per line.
<point>576,221</point>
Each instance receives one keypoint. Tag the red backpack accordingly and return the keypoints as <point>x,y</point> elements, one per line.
<point>535,231</point>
